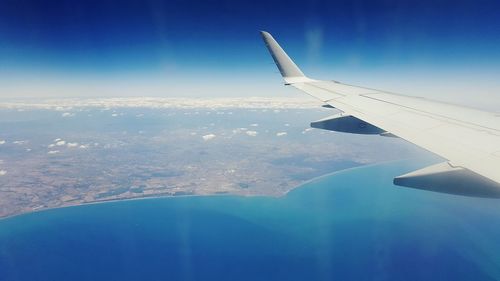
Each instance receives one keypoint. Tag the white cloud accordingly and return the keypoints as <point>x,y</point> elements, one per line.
<point>2,142</point>
<point>3,172</point>
<point>251,133</point>
<point>72,144</point>
<point>280,134</point>
<point>239,130</point>
<point>56,140</point>
<point>208,137</point>
<point>67,114</point>
<point>63,108</point>
<point>306,130</point>
<point>254,125</point>
<point>53,152</point>
<point>83,146</point>
<point>19,142</point>
<point>114,114</point>
<point>51,145</point>
<point>60,143</point>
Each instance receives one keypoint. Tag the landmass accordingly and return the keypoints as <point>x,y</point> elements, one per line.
<point>56,154</point>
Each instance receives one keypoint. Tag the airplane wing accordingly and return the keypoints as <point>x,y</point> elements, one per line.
<point>468,139</point>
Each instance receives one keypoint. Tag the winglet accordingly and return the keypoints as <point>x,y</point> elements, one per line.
<point>288,69</point>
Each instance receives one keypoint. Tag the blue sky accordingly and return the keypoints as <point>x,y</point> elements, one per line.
<point>212,47</point>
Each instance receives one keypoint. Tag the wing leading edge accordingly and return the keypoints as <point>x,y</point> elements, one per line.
<point>468,139</point>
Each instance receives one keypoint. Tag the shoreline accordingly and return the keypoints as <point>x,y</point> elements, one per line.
<point>303,184</point>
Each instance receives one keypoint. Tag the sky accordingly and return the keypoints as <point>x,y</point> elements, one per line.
<point>211,48</point>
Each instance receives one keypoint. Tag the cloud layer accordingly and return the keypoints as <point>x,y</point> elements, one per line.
<point>148,102</point>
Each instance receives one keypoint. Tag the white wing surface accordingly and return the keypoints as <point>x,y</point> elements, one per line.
<point>468,139</point>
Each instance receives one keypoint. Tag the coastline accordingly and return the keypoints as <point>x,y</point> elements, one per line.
<point>301,185</point>
<point>353,169</point>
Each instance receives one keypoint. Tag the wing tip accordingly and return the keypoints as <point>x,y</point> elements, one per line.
<point>264,33</point>
<point>285,64</point>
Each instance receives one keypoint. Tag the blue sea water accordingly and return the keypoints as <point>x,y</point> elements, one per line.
<point>352,225</point>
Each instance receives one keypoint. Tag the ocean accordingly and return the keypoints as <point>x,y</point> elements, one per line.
<point>350,225</point>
